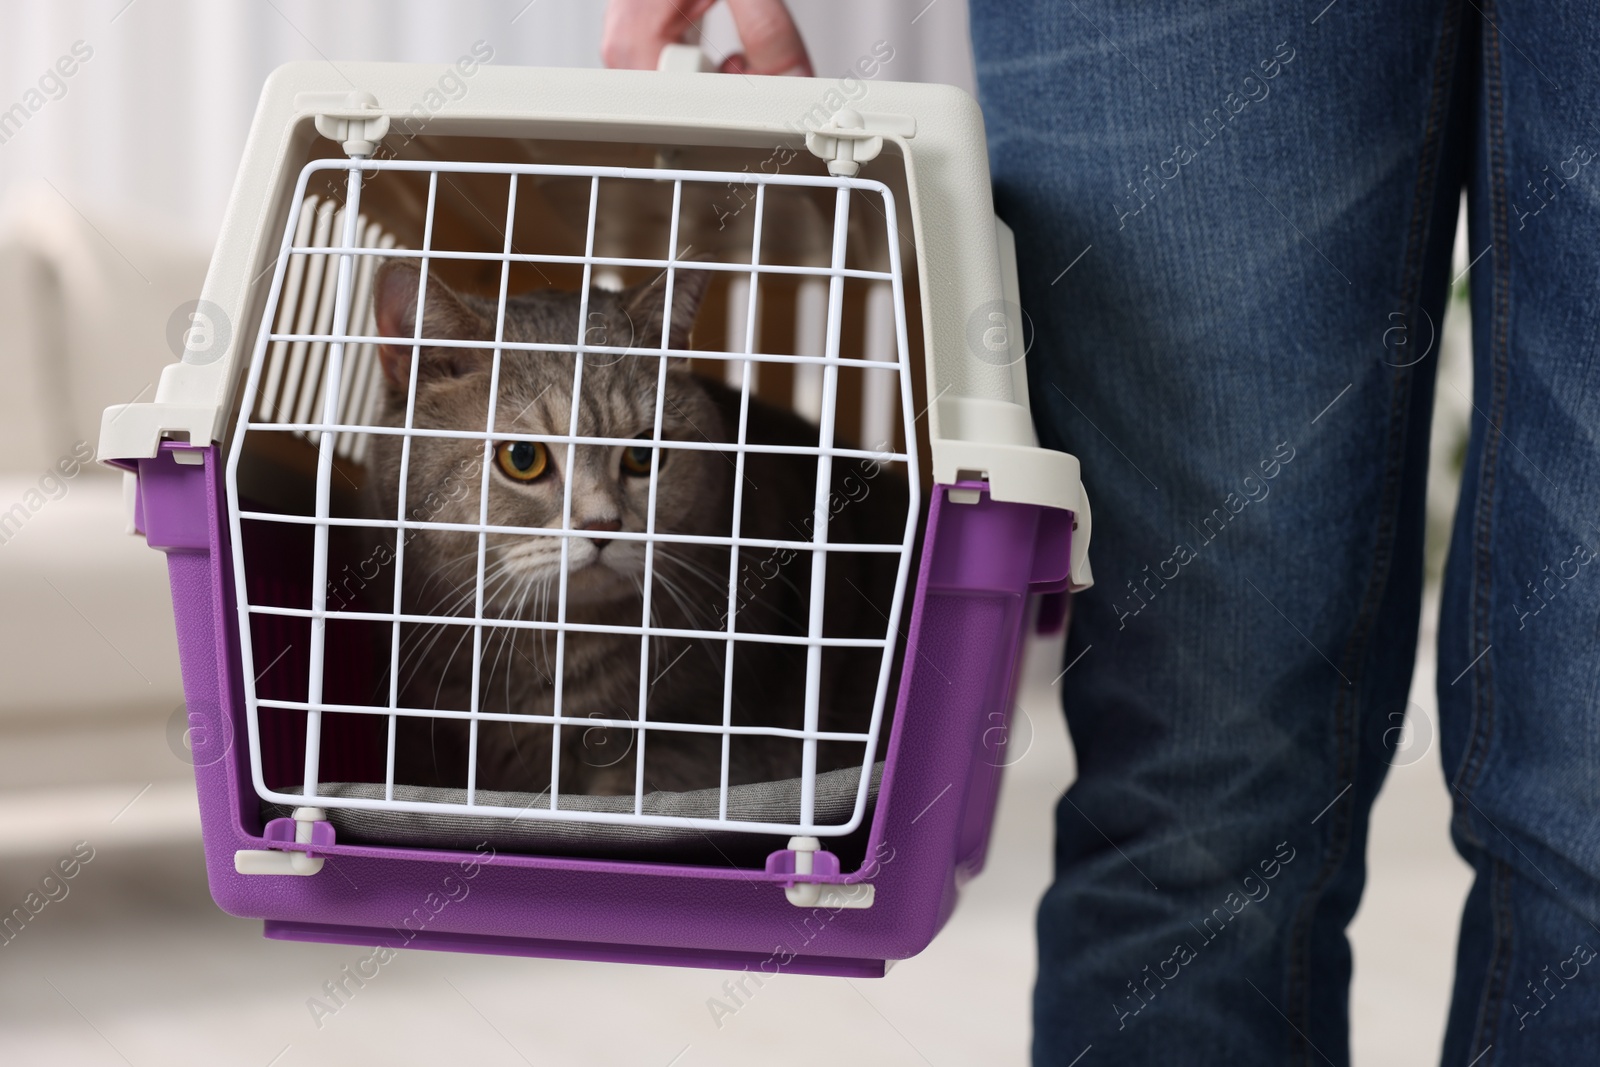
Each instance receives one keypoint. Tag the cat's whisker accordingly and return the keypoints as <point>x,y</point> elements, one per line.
<point>717,580</point>
<point>505,644</point>
<point>512,635</point>
<point>542,596</point>
<point>693,570</point>
<point>719,585</point>
<point>655,639</point>
<point>424,638</point>
<point>501,577</point>
<point>445,673</point>
<point>523,588</point>
<point>448,601</point>
<point>494,665</point>
<point>670,554</point>
<point>464,590</point>
<point>711,642</point>
<point>439,629</point>
<point>443,568</point>
<point>683,597</point>
<point>511,640</point>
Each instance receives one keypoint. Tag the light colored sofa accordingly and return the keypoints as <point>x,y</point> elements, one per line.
<point>87,653</point>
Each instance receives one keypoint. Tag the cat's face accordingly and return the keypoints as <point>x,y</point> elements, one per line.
<point>609,485</point>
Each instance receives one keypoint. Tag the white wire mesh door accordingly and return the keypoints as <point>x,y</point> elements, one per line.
<point>315,377</point>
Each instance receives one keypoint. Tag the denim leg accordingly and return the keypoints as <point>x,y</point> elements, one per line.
<point>1233,226</point>
<point>1519,643</point>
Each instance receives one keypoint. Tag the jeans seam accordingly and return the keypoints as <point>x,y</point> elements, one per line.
<point>1492,1002</point>
<point>1491,1006</point>
<point>1346,708</point>
<point>1482,724</point>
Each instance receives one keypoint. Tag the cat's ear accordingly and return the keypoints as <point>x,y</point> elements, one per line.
<point>444,316</point>
<point>644,304</point>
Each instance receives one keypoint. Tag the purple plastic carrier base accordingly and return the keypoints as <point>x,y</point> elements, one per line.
<point>772,962</point>
<point>981,564</point>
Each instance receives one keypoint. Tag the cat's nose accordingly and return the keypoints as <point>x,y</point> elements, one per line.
<point>604,526</point>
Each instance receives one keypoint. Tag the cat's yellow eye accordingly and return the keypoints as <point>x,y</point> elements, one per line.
<point>523,460</point>
<point>636,460</point>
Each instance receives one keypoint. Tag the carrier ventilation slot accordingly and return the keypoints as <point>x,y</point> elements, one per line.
<point>293,385</point>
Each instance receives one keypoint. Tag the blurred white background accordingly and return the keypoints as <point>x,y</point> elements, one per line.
<point>110,195</point>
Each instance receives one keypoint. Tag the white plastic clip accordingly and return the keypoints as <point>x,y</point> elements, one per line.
<point>347,118</point>
<point>130,501</point>
<point>850,139</point>
<point>274,861</point>
<point>1080,575</point>
<point>817,895</point>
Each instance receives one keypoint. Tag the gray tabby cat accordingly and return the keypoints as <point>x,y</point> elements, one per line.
<point>611,487</point>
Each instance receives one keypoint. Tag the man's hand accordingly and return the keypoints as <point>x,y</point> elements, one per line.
<point>637,30</point>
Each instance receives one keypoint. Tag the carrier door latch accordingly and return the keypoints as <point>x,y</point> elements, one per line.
<point>805,857</point>
<point>852,138</point>
<point>350,118</point>
<point>310,826</point>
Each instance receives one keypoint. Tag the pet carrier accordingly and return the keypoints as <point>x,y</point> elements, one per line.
<point>806,785</point>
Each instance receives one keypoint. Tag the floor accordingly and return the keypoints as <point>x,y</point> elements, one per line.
<point>136,966</point>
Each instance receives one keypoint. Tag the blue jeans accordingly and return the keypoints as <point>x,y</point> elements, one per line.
<point>1234,224</point>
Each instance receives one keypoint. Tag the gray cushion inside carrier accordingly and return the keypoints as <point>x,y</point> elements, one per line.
<point>772,802</point>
